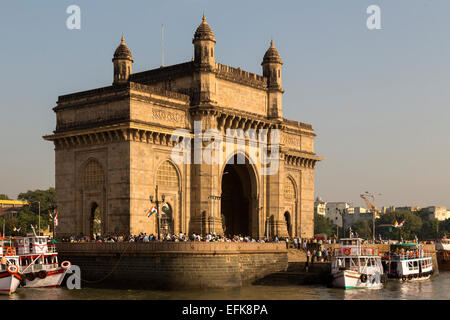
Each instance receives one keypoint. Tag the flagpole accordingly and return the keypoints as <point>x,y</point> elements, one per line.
<point>157,202</point>
<point>54,223</point>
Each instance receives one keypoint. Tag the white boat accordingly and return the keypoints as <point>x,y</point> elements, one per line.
<point>9,272</point>
<point>354,267</point>
<point>408,262</point>
<point>38,262</point>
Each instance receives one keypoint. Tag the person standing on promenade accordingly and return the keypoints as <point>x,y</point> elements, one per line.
<point>325,255</point>
<point>308,255</point>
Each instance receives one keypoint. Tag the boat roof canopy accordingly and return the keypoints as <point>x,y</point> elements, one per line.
<point>408,244</point>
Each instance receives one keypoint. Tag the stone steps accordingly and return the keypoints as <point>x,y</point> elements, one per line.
<point>296,255</point>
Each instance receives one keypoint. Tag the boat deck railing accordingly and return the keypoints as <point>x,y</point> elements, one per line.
<point>407,255</point>
<point>39,267</point>
<point>343,252</point>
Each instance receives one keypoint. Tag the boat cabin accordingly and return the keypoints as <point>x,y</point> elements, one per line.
<point>31,244</point>
<point>351,246</point>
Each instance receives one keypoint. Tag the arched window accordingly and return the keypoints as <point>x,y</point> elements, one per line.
<point>289,189</point>
<point>93,174</point>
<point>167,175</point>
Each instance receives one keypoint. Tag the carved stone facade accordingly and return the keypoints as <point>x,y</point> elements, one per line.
<point>115,144</point>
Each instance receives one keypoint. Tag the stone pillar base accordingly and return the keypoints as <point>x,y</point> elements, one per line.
<point>205,225</point>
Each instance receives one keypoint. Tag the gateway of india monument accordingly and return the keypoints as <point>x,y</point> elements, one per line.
<point>189,136</point>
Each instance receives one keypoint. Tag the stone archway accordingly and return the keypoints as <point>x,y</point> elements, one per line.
<point>238,202</point>
<point>167,219</point>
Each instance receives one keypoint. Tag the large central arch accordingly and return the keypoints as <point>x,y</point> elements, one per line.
<point>239,197</point>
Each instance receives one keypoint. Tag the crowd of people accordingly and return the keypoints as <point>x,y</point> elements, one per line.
<point>181,237</point>
<point>295,242</point>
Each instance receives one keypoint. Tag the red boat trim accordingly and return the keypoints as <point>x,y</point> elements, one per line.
<point>53,272</point>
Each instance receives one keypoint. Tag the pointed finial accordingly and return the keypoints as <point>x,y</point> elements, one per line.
<point>123,39</point>
<point>271,43</point>
<point>204,18</point>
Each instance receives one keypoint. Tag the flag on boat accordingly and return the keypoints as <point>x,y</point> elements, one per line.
<point>396,224</point>
<point>401,224</point>
<point>15,229</point>
<point>151,211</point>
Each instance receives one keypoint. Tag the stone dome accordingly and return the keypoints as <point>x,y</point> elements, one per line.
<point>122,51</point>
<point>204,31</point>
<point>272,55</point>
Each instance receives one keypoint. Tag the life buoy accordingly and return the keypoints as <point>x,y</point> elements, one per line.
<point>12,269</point>
<point>30,276</point>
<point>9,251</point>
<point>411,255</point>
<point>42,274</point>
<point>66,265</point>
<point>363,278</point>
<point>403,278</point>
<point>415,276</point>
<point>347,251</point>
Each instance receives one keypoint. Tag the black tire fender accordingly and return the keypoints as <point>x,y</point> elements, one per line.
<point>363,278</point>
<point>30,276</point>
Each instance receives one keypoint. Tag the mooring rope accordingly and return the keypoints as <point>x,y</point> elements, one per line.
<point>112,270</point>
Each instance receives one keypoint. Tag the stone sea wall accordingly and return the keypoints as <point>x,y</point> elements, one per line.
<point>175,265</point>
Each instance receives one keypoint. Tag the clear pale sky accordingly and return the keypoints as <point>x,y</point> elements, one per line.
<point>378,100</point>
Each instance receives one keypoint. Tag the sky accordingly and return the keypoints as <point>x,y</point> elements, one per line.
<point>377,99</point>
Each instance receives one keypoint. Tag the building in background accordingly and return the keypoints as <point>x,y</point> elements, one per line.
<point>320,207</point>
<point>336,210</point>
<point>10,208</point>
<point>437,212</point>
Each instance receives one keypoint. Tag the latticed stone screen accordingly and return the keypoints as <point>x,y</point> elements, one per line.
<point>167,175</point>
<point>289,191</point>
<point>93,174</point>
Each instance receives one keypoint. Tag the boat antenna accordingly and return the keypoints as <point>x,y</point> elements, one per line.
<point>32,228</point>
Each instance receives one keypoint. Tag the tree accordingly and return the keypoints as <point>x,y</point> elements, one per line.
<point>28,215</point>
<point>444,227</point>
<point>4,197</point>
<point>412,225</point>
<point>47,199</point>
<point>430,230</point>
<point>323,225</point>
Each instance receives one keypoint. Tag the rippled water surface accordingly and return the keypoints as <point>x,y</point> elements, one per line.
<point>436,288</point>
